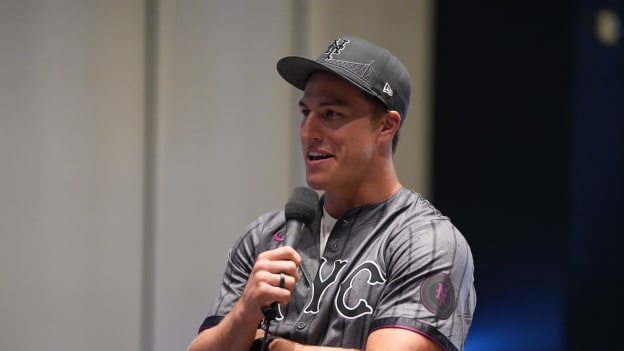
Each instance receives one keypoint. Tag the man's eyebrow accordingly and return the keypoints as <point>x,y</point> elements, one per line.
<point>333,102</point>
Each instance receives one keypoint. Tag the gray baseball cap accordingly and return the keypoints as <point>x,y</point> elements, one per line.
<point>371,68</point>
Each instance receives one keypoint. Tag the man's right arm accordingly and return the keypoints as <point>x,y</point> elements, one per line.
<point>235,332</point>
<point>238,329</point>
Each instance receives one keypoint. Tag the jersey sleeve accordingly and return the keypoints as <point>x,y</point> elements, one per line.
<point>430,286</point>
<point>240,262</point>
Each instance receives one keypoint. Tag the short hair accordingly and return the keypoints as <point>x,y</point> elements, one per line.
<point>378,108</point>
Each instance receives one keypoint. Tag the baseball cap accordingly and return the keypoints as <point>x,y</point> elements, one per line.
<point>369,67</point>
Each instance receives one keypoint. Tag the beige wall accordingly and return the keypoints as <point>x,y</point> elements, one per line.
<point>71,174</point>
<point>126,174</point>
<point>224,146</point>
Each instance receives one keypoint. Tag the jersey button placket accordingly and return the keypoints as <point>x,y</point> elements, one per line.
<point>335,244</point>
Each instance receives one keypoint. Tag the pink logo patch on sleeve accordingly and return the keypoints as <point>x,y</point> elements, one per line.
<point>438,295</point>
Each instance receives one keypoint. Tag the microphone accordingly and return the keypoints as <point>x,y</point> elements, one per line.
<point>300,211</point>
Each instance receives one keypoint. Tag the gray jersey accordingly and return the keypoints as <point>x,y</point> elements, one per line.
<point>397,264</point>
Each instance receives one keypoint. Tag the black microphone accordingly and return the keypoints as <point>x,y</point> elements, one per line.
<point>300,211</point>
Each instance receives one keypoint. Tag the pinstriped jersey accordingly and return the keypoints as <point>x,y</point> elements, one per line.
<point>396,264</point>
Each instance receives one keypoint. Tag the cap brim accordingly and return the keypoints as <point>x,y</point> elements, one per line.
<point>296,70</point>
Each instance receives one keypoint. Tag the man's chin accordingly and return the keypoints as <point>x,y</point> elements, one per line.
<point>315,184</point>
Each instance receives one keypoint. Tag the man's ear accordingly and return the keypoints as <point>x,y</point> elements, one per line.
<point>391,123</point>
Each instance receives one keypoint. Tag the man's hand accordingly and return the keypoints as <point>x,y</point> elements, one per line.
<point>239,328</point>
<point>263,286</point>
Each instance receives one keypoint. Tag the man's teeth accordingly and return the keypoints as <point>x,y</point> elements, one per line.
<point>317,155</point>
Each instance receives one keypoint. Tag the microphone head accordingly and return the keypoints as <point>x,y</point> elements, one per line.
<point>302,205</point>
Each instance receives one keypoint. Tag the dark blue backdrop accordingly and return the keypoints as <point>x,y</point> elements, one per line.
<point>529,164</point>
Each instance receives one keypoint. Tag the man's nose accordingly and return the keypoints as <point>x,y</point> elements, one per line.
<point>311,127</point>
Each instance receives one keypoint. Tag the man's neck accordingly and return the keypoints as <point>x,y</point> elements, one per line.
<point>337,202</point>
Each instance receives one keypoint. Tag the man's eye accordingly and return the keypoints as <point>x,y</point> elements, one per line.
<point>331,113</point>
<point>305,113</point>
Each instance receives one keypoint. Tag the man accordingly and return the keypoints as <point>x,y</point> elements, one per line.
<point>379,268</point>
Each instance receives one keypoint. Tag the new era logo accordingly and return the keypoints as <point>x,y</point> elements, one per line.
<point>387,89</point>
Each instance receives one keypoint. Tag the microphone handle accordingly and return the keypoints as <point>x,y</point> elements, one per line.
<point>292,232</point>
<point>270,312</point>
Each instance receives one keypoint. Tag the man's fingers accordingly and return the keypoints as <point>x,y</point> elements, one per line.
<point>283,253</point>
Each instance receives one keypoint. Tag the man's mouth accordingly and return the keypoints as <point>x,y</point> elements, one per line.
<point>313,156</point>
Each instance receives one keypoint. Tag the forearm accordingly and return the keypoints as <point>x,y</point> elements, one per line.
<point>395,339</point>
<point>280,344</point>
<point>234,333</point>
<point>271,280</point>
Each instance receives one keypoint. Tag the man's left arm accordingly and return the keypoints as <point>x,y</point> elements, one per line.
<point>384,339</point>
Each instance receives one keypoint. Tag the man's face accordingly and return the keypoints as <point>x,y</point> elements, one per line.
<point>338,138</point>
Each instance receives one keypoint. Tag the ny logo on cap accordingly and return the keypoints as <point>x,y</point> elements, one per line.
<point>335,48</point>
